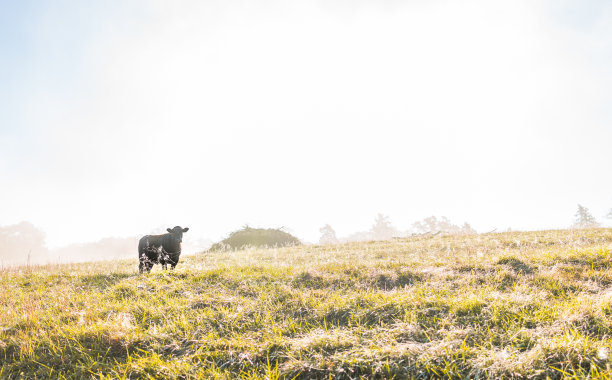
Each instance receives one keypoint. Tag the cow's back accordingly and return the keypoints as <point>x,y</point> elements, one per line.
<point>144,243</point>
<point>149,242</point>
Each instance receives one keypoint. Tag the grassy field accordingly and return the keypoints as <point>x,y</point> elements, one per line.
<point>499,305</point>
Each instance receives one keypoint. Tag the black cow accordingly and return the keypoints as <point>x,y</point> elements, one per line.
<point>160,249</point>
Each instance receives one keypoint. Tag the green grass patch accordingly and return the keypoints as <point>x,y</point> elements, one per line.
<point>509,305</point>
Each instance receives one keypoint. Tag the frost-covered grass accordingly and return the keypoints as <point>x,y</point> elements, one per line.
<point>507,305</point>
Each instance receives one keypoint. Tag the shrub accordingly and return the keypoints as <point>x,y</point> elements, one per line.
<point>256,237</point>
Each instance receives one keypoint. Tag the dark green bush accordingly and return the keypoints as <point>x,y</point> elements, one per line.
<point>256,237</point>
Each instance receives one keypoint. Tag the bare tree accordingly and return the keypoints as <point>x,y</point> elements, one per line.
<point>584,219</point>
<point>328,235</point>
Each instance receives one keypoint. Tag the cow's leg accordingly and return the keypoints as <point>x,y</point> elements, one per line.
<point>142,266</point>
<point>145,263</point>
<point>162,257</point>
<point>167,259</point>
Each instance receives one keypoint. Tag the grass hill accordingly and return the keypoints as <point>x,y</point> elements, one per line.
<point>499,305</point>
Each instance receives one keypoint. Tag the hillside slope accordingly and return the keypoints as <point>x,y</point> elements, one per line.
<point>507,305</point>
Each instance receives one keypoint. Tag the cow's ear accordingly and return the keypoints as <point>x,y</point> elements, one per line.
<point>185,229</point>
<point>168,229</point>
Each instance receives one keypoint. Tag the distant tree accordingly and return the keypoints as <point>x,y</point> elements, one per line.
<point>432,224</point>
<point>328,235</point>
<point>584,219</point>
<point>445,226</point>
<point>22,243</point>
<point>609,216</point>
<point>382,228</point>
<point>467,229</point>
<point>429,224</point>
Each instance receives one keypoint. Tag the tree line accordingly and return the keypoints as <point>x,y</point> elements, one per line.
<point>382,229</point>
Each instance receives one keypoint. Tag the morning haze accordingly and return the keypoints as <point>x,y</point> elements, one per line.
<point>339,189</point>
<point>122,119</point>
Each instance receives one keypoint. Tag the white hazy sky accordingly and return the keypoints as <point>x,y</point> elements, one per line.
<point>118,118</point>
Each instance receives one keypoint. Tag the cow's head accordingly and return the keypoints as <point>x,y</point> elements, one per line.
<point>177,232</point>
